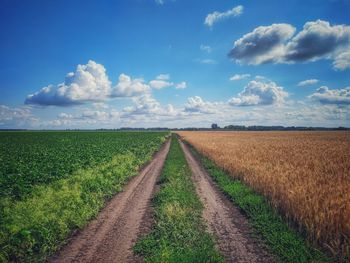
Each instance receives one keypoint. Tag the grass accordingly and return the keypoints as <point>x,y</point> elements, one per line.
<point>286,244</point>
<point>179,234</point>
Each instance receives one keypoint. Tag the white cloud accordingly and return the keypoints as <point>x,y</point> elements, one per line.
<point>259,93</point>
<point>128,87</point>
<point>163,77</point>
<point>197,105</point>
<point>217,16</point>
<point>331,40</point>
<point>264,44</point>
<point>148,106</point>
<point>342,61</point>
<point>325,95</point>
<point>275,44</point>
<point>307,82</point>
<point>163,81</point>
<point>239,76</point>
<point>181,85</point>
<point>160,84</point>
<point>16,117</point>
<point>88,83</point>
<point>205,48</point>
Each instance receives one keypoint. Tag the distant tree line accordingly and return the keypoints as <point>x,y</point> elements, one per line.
<point>214,126</point>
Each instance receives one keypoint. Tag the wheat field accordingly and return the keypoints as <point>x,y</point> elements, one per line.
<point>304,175</point>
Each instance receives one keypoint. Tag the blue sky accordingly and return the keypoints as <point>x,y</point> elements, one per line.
<point>174,63</point>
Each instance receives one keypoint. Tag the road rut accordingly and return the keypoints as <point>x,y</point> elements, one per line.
<point>232,231</point>
<point>111,236</point>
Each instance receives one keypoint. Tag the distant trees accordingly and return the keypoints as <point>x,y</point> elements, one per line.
<point>214,126</point>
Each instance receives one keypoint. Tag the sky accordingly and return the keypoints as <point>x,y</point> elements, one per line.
<point>174,63</point>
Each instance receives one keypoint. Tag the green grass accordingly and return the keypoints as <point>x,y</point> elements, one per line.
<point>37,224</point>
<point>284,242</point>
<point>179,234</point>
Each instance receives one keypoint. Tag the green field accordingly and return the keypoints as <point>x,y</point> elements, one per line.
<point>54,182</point>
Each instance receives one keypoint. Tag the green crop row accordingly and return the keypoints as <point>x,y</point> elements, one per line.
<point>31,158</point>
<point>35,225</point>
<point>179,234</point>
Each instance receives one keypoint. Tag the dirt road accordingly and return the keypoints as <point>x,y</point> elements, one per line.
<point>111,236</point>
<point>231,229</point>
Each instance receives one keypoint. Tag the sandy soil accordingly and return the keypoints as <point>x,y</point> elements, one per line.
<point>111,236</point>
<point>234,236</point>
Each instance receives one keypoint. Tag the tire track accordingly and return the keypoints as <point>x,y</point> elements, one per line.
<point>231,229</point>
<point>111,236</point>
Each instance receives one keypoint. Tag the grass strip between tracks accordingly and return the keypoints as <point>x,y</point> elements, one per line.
<point>285,243</point>
<point>179,234</point>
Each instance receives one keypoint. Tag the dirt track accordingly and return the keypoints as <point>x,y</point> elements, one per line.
<point>111,236</point>
<point>224,220</point>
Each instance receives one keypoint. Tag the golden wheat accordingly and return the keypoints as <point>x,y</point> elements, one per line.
<point>304,175</point>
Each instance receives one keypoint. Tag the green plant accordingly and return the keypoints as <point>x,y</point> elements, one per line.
<point>179,234</point>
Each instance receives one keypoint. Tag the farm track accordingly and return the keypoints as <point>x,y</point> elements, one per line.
<point>234,237</point>
<point>111,236</point>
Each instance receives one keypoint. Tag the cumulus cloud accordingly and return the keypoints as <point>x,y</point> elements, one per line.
<point>128,87</point>
<point>276,44</point>
<point>181,85</point>
<point>148,106</point>
<point>307,82</point>
<point>318,40</point>
<point>160,84</point>
<point>88,83</point>
<point>163,77</point>
<point>217,16</point>
<point>163,81</point>
<point>325,95</point>
<point>342,61</point>
<point>259,93</point>
<point>264,44</point>
<point>205,48</point>
<point>239,76</point>
<point>16,117</point>
<point>197,105</point>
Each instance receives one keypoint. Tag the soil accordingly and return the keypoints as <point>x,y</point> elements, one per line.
<point>111,236</point>
<point>235,238</point>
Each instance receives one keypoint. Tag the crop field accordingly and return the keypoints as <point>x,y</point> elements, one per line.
<point>31,158</point>
<point>54,182</point>
<point>304,175</point>
<point>218,199</point>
